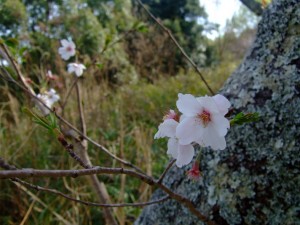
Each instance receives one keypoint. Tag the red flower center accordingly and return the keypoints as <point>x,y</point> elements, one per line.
<point>205,117</point>
<point>69,49</point>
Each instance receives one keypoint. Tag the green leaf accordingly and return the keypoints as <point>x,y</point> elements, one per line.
<point>12,42</point>
<point>99,65</point>
<point>241,118</point>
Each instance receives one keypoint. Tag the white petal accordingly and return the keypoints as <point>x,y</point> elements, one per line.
<point>71,68</point>
<point>212,139</point>
<point>173,147</point>
<point>78,72</point>
<point>64,42</point>
<point>167,129</point>
<point>222,103</point>
<point>185,155</point>
<point>208,104</point>
<point>188,105</point>
<point>220,124</point>
<point>189,130</point>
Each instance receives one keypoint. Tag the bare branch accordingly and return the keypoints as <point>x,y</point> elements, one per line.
<point>166,170</point>
<point>116,205</point>
<point>177,44</point>
<point>63,104</point>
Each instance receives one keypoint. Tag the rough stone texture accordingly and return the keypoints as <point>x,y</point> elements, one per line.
<point>256,179</point>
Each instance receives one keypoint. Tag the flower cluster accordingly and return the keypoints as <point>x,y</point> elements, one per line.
<point>202,122</point>
<point>49,98</point>
<point>67,51</point>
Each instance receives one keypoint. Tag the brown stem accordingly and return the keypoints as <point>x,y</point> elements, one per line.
<point>178,46</point>
<point>26,173</point>
<point>166,170</point>
<point>116,205</point>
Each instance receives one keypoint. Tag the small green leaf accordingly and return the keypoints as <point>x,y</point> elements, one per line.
<point>241,118</point>
<point>12,42</point>
<point>99,65</point>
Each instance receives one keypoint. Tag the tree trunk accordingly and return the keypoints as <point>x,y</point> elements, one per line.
<point>256,179</point>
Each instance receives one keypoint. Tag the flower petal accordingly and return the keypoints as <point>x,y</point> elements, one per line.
<point>212,139</point>
<point>220,124</point>
<point>188,105</point>
<point>222,103</point>
<point>173,147</point>
<point>167,129</point>
<point>64,42</point>
<point>189,130</point>
<point>185,155</point>
<point>208,104</point>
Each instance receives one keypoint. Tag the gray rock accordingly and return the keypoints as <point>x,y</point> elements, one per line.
<point>256,179</point>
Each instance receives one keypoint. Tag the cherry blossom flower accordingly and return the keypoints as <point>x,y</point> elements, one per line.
<point>49,98</point>
<point>182,153</point>
<point>203,120</point>
<point>194,173</point>
<point>67,50</point>
<point>76,68</point>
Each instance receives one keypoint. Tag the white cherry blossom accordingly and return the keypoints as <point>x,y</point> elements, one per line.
<point>67,50</point>
<point>49,98</point>
<point>182,153</point>
<point>76,68</point>
<point>203,120</point>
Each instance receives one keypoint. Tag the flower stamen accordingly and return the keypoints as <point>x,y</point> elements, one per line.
<point>205,117</point>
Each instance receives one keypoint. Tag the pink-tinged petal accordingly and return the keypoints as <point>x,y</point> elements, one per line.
<point>185,155</point>
<point>173,147</point>
<point>222,103</point>
<point>188,105</point>
<point>64,42</point>
<point>212,139</point>
<point>72,45</point>
<point>189,130</point>
<point>208,104</point>
<point>167,129</point>
<point>220,124</point>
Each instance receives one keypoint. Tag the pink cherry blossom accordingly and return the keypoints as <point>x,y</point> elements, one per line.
<point>67,50</point>
<point>182,153</point>
<point>194,173</point>
<point>76,68</point>
<point>203,120</point>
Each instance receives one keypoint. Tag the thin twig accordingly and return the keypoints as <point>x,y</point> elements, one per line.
<point>26,173</point>
<point>177,44</point>
<point>68,93</point>
<point>88,203</point>
<point>99,189</point>
<point>16,68</point>
<point>166,170</point>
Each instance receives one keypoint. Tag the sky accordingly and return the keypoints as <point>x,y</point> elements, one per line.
<point>219,11</point>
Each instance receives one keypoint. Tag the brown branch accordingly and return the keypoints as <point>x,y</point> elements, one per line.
<point>26,173</point>
<point>99,188</point>
<point>177,44</point>
<point>88,203</point>
<point>166,170</point>
<point>17,69</point>
<point>68,93</point>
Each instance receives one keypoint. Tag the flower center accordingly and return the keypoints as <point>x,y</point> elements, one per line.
<point>69,49</point>
<point>205,117</point>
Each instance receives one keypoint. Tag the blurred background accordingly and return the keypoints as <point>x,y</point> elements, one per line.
<point>134,73</point>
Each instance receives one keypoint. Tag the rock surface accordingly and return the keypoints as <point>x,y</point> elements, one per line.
<point>256,179</point>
